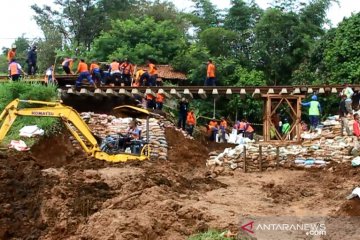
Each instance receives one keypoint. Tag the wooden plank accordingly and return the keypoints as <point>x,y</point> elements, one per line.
<point>260,158</point>
<point>310,91</point>
<point>244,159</point>
<point>202,93</point>
<point>321,90</point>
<point>297,91</point>
<point>334,90</point>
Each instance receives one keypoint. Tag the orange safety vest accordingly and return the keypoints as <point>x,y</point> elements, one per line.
<point>152,69</point>
<point>11,55</point>
<point>160,98</point>
<point>82,67</point>
<point>212,124</point>
<point>94,66</point>
<point>211,70</point>
<point>115,66</point>
<point>223,123</point>
<point>13,68</point>
<point>190,118</point>
<point>242,126</point>
<point>149,97</point>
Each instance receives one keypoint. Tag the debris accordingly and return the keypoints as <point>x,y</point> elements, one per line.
<point>354,193</point>
<point>31,131</point>
<point>355,162</point>
<point>19,145</point>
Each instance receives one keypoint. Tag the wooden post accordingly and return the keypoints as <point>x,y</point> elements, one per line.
<point>260,158</point>
<point>277,157</point>
<point>245,159</point>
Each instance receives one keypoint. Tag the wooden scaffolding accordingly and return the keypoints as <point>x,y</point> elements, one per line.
<point>272,102</point>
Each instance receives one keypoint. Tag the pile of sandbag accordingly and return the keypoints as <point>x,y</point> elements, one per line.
<point>310,154</point>
<point>102,125</point>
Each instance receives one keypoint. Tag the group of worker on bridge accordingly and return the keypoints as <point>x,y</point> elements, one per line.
<point>117,73</point>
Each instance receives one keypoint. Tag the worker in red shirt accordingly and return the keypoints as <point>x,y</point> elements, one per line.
<point>210,74</point>
<point>159,101</point>
<point>190,122</point>
<point>83,72</point>
<point>356,126</point>
<point>11,53</point>
<point>127,71</point>
<point>223,127</point>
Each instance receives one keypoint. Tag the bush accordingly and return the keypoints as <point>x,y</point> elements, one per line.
<point>25,91</point>
<point>209,235</point>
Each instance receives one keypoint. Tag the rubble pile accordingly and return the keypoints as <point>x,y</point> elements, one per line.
<point>316,151</point>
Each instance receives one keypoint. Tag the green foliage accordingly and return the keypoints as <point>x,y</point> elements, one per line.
<point>219,41</point>
<point>205,14</point>
<point>13,90</point>
<point>139,39</point>
<point>209,235</point>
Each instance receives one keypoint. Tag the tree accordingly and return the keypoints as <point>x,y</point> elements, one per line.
<point>219,41</point>
<point>205,15</point>
<point>139,39</point>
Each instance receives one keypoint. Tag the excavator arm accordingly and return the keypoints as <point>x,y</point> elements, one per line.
<point>72,121</point>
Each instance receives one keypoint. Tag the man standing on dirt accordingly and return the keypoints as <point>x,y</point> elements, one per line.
<point>343,114</point>
<point>183,110</point>
<point>191,122</point>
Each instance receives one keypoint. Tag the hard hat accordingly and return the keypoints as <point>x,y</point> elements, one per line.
<point>314,98</point>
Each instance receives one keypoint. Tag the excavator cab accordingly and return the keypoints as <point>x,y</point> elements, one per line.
<point>125,142</point>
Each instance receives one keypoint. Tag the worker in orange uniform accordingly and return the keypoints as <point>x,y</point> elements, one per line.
<point>210,74</point>
<point>190,122</point>
<point>127,71</point>
<point>67,65</point>
<point>15,70</point>
<point>150,99</point>
<point>115,73</point>
<point>249,130</point>
<point>223,127</point>
<point>95,72</point>
<point>11,53</point>
<point>83,72</point>
<point>213,129</point>
<point>153,74</point>
<point>159,101</point>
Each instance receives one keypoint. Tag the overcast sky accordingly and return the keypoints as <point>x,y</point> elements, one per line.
<point>16,15</point>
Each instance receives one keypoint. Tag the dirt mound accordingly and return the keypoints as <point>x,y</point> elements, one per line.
<point>350,208</point>
<point>56,192</point>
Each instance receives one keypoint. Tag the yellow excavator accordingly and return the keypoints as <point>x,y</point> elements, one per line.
<point>79,129</point>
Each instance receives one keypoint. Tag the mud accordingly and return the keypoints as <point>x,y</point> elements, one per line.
<point>56,192</point>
